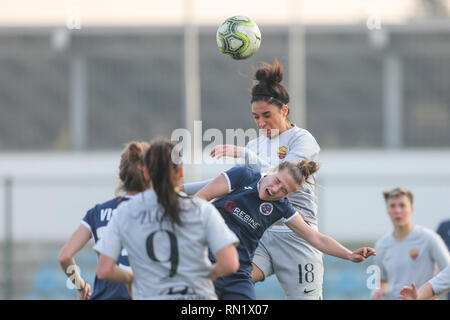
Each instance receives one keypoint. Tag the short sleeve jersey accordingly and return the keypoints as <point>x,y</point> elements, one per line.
<point>412,260</point>
<point>168,261</point>
<point>96,220</point>
<point>246,214</point>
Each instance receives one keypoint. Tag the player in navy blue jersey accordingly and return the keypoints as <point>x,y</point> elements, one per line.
<point>250,203</point>
<point>444,231</point>
<point>94,224</point>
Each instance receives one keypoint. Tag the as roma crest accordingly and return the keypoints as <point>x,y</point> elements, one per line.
<point>414,253</point>
<point>282,152</point>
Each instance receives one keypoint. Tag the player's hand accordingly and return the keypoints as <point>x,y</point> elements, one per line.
<point>226,150</point>
<point>361,254</point>
<point>129,283</point>
<point>377,294</point>
<point>408,293</point>
<point>85,293</point>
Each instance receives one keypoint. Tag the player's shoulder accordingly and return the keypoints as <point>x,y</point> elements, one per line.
<point>424,232</point>
<point>385,242</point>
<point>109,204</point>
<point>298,132</point>
<point>283,202</point>
<point>245,172</point>
<point>303,136</point>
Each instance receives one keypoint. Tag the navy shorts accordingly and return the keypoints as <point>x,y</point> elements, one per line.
<point>235,287</point>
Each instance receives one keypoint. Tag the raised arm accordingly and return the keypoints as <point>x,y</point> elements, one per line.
<point>194,187</point>
<point>326,244</point>
<point>215,189</point>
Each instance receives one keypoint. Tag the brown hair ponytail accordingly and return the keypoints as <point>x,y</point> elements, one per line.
<point>164,175</point>
<point>130,169</point>
<point>301,170</point>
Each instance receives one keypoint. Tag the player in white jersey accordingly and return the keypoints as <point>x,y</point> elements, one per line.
<point>409,253</point>
<point>281,251</point>
<point>95,221</point>
<point>437,286</point>
<point>167,236</point>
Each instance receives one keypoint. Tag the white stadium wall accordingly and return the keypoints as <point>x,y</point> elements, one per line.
<point>52,191</point>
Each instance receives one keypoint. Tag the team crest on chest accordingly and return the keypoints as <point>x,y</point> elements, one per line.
<point>414,253</point>
<point>282,152</point>
<point>266,208</point>
<point>230,206</point>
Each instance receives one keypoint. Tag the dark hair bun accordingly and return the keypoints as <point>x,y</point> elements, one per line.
<point>308,167</point>
<point>268,84</point>
<point>269,74</point>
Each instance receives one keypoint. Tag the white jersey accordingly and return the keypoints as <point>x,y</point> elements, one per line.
<point>441,282</point>
<point>168,262</point>
<point>294,144</point>
<point>412,260</point>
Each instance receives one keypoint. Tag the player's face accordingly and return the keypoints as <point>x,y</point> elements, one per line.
<point>399,209</point>
<point>269,117</point>
<point>276,186</point>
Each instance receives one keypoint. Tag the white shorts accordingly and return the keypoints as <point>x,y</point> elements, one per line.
<point>297,265</point>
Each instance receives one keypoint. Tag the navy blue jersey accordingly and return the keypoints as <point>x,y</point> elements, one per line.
<point>246,214</point>
<point>444,232</point>
<point>96,220</point>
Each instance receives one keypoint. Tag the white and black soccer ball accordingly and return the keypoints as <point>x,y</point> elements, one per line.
<point>238,37</point>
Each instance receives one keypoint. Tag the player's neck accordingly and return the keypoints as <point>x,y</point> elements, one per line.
<point>401,232</point>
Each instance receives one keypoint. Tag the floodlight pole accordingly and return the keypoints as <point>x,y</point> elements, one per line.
<point>78,102</point>
<point>192,94</point>
<point>8,249</point>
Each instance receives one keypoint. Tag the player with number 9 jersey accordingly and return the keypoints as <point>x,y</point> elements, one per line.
<point>167,235</point>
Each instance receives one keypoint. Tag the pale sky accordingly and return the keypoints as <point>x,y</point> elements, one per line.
<point>151,12</point>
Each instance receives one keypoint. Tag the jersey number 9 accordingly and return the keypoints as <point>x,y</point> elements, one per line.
<point>173,258</point>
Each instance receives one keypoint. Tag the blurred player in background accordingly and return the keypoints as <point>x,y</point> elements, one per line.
<point>94,223</point>
<point>166,235</point>
<point>431,289</point>
<point>250,203</point>
<point>410,252</point>
<point>281,251</point>
<point>444,231</point>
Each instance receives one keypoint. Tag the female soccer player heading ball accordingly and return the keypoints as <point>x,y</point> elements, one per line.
<point>270,110</point>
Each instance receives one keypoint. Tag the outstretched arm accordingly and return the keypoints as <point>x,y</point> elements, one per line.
<point>194,187</point>
<point>215,189</point>
<point>327,244</point>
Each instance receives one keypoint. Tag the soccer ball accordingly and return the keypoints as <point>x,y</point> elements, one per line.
<point>238,37</point>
